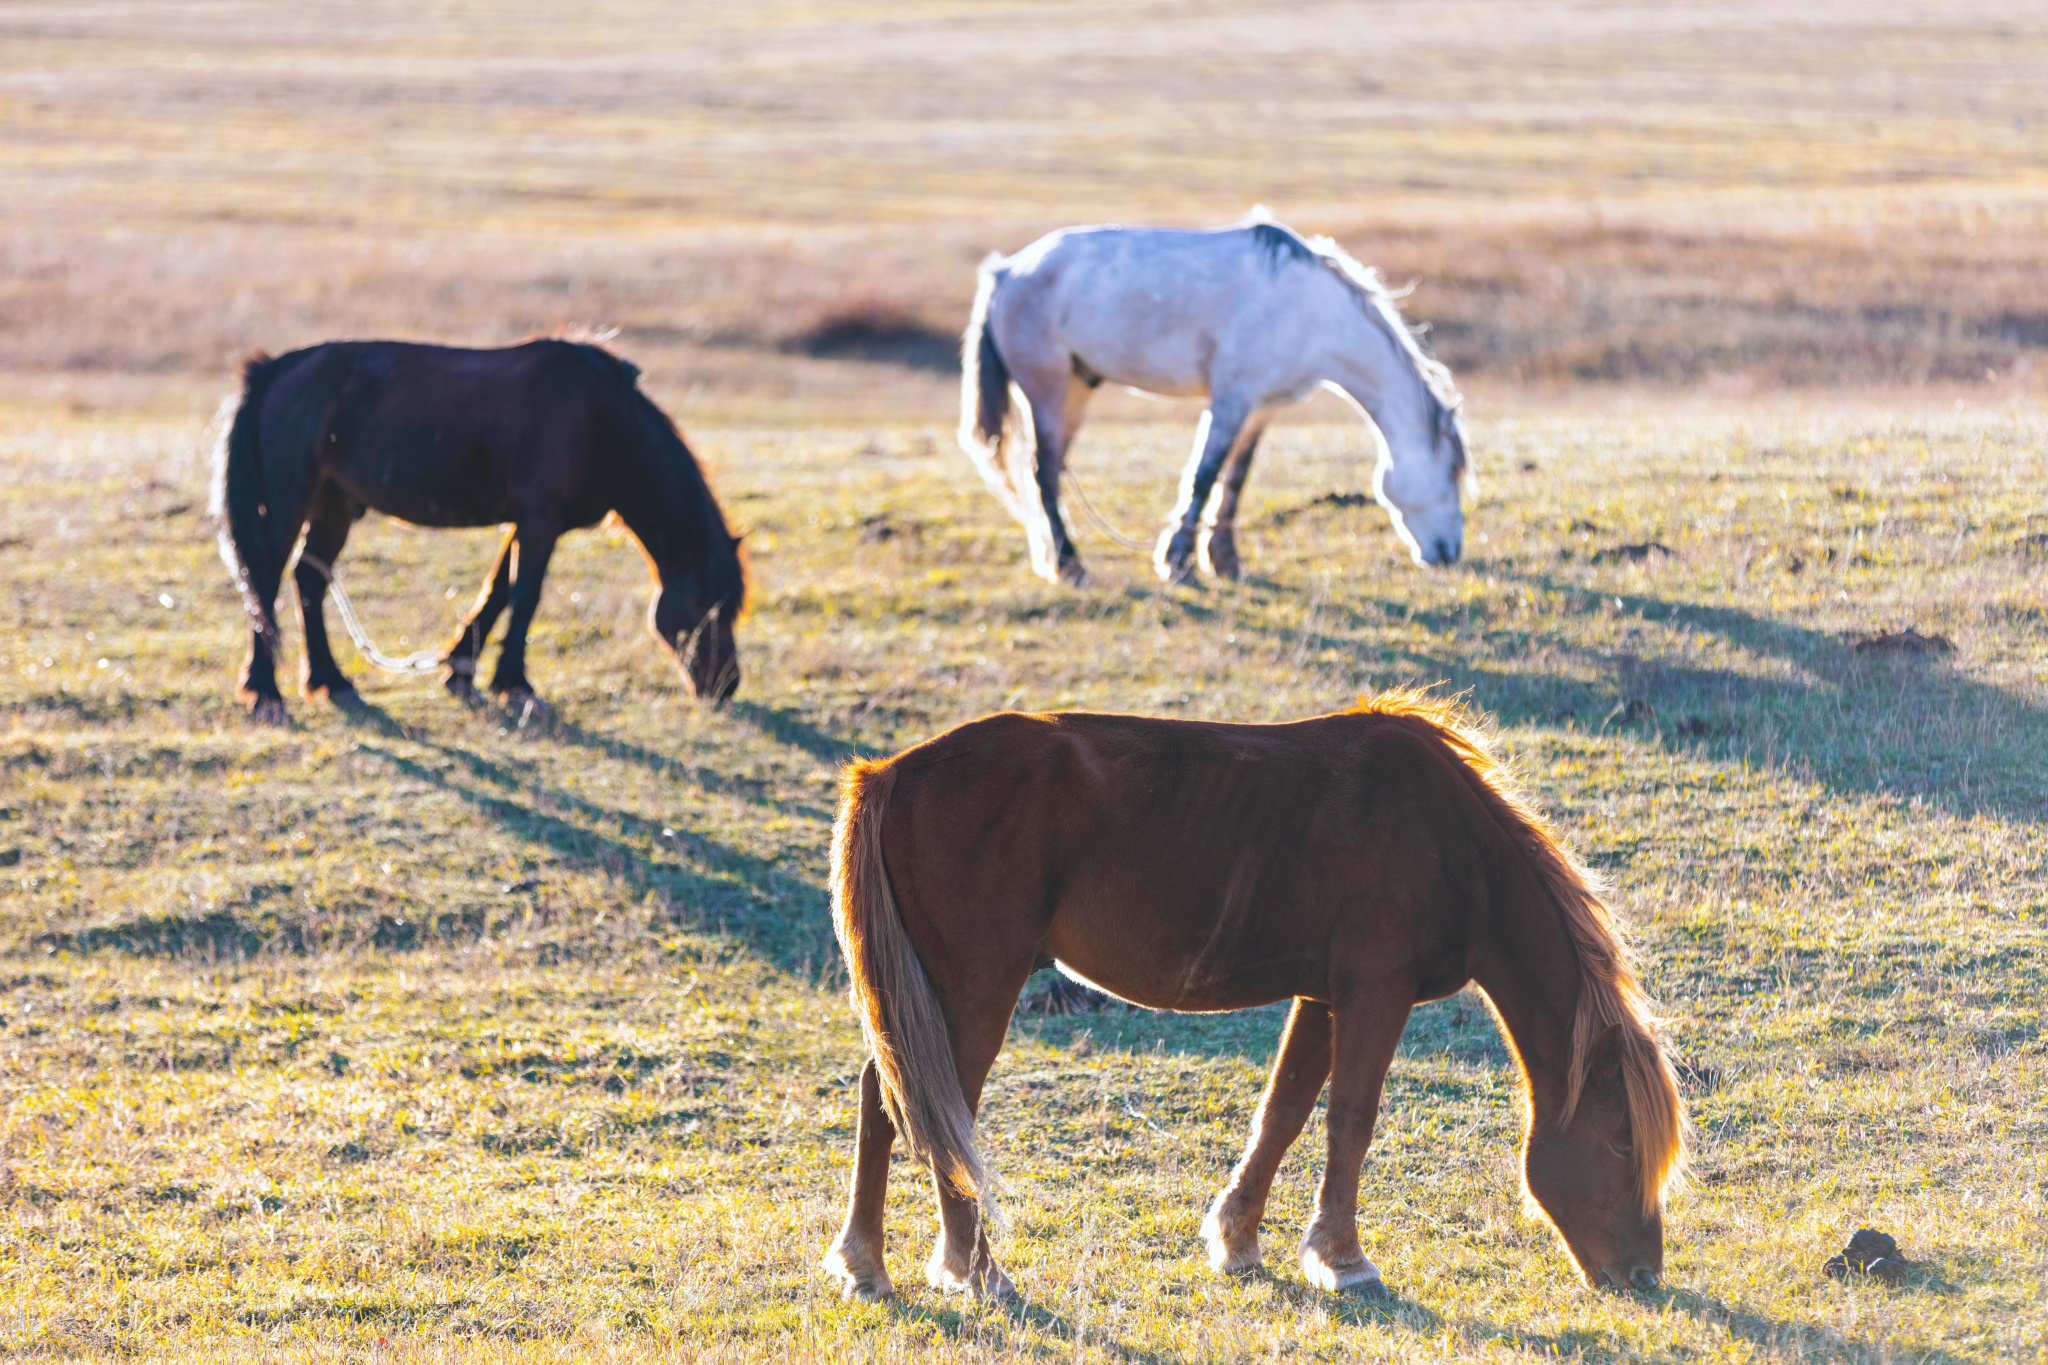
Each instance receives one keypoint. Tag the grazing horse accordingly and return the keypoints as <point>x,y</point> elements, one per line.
<point>548,437</point>
<point>1251,316</point>
<point>1356,863</point>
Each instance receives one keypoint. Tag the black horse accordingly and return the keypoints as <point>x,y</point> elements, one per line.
<point>548,437</point>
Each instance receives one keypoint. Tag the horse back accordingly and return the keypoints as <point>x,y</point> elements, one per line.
<point>1186,865</point>
<point>452,436</point>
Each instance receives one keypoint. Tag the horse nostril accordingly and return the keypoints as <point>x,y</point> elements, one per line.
<point>1645,1279</point>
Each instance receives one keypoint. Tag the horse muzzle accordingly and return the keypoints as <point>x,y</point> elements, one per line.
<point>1442,552</point>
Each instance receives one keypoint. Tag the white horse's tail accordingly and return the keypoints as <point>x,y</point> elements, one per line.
<point>985,399</point>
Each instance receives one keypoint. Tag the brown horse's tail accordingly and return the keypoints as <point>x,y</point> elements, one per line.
<point>238,501</point>
<point>905,1026</point>
<point>985,398</point>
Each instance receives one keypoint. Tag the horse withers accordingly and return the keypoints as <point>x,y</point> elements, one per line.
<point>544,438</point>
<point>1357,864</point>
<point>1252,317</point>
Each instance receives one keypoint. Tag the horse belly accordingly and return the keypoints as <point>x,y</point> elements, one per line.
<point>1224,938</point>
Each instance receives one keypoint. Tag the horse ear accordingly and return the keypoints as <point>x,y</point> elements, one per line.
<point>1603,1059</point>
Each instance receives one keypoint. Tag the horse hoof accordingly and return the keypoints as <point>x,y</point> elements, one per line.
<point>461,687</point>
<point>270,711</point>
<point>1073,574</point>
<point>1345,1277</point>
<point>528,712</point>
<point>990,1283</point>
<point>1181,575</point>
<point>1235,1250</point>
<point>1229,568</point>
<point>869,1284</point>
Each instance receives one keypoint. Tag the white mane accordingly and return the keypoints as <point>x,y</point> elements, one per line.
<point>1379,302</point>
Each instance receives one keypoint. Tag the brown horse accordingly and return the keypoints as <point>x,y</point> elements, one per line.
<point>546,437</point>
<point>1357,863</point>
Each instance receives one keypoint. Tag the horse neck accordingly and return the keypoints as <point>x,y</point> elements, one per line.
<point>669,510</point>
<point>1376,373</point>
<point>1530,971</point>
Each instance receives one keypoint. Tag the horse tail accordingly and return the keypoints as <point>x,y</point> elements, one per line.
<point>238,501</point>
<point>900,1014</point>
<point>985,396</point>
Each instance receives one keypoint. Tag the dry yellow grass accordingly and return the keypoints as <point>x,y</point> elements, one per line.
<point>1853,193</point>
<point>414,1036</point>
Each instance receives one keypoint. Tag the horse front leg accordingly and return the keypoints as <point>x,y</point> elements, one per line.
<point>1368,1029</point>
<point>468,644</point>
<point>1174,557</point>
<point>856,1257</point>
<point>1218,548</point>
<point>1232,1226</point>
<point>532,546</point>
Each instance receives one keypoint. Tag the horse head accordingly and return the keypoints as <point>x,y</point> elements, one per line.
<point>1599,1190</point>
<point>1420,476</point>
<point>693,616</point>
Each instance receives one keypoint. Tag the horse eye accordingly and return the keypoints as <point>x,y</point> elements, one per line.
<point>1623,1147</point>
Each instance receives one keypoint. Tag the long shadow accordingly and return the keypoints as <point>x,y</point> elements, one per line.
<point>665,765</point>
<point>785,726</point>
<point>1964,747</point>
<point>956,1325</point>
<point>752,899</point>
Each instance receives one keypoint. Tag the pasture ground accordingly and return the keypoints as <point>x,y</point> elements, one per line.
<point>412,1034</point>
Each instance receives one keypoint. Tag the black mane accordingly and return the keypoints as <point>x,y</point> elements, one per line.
<point>1280,244</point>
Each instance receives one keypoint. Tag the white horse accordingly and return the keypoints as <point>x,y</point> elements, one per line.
<point>1251,317</point>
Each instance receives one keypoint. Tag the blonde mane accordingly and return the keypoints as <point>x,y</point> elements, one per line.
<point>1609,992</point>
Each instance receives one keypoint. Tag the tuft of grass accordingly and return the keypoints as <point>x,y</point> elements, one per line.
<point>413,1033</point>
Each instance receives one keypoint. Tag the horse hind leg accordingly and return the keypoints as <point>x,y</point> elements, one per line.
<point>962,1259</point>
<point>326,533</point>
<point>1056,399</point>
<point>1367,1030</point>
<point>1217,551</point>
<point>1232,1226</point>
<point>856,1256</point>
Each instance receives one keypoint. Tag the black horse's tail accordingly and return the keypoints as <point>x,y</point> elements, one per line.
<point>238,502</point>
<point>985,398</point>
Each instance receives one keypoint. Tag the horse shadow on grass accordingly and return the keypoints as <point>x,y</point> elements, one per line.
<point>781,915</point>
<point>1902,729</point>
<point>964,1328</point>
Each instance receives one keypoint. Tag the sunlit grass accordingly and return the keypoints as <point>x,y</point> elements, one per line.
<point>416,1033</point>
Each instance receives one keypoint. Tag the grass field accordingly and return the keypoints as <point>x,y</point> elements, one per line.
<point>1652,192</point>
<point>411,1034</point>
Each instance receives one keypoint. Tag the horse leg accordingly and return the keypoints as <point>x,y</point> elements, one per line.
<point>856,1257</point>
<point>962,1260</point>
<point>1056,400</point>
<point>1218,436</point>
<point>1368,1029</point>
<point>1232,1225</point>
<point>290,491</point>
<point>1218,548</point>
<point>326,532</point>
<point>531,548</point>
<point>468,644</point>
